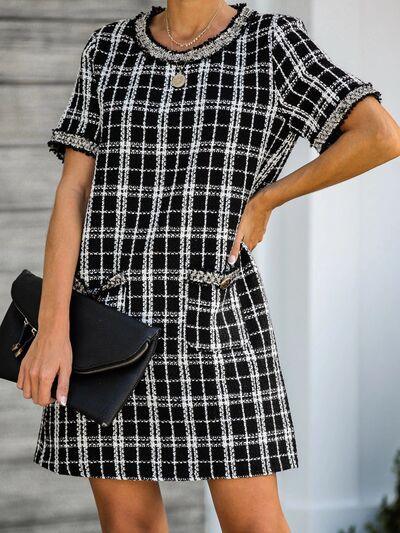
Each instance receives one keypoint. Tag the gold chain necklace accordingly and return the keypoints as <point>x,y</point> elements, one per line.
<point>179,79</point>
<point>197,37</point>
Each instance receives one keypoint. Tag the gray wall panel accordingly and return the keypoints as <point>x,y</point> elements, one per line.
<point>28,177</point>
<point>38,50</point>
<point>28,112</point>
<point>73,9</point>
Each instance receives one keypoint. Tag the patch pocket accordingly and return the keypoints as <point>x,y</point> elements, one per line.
<point>213,316</point>
<point>254,303</point>
<point>230,326</point>
<point>200,315</point>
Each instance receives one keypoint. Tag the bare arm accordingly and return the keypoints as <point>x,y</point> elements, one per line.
<point>370,138</point>
<point>50,353</point>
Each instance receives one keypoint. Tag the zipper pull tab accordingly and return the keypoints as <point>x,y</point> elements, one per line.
<point>18,353</point>
<point>18,347</point>
<point>15,347</point>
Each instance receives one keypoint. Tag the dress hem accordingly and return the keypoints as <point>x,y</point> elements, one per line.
<point>197,478</point>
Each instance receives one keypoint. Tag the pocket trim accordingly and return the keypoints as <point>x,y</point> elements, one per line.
<point>213,278</point>
<point>115,281</point>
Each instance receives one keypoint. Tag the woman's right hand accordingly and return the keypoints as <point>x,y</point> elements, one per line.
<point>49,356</point>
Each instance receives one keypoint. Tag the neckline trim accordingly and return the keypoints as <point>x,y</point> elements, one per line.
<point>204,49</point>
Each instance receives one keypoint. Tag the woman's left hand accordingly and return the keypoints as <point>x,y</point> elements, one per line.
<point>252,225</point>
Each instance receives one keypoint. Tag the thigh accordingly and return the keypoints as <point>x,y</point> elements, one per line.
<point>126,506</point>
<point>248,504</point>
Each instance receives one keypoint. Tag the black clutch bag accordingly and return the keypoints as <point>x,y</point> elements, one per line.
<point>110,349</point>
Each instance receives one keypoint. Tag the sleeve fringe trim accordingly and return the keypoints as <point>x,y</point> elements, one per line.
<point>60,140</point>
<point>341,112</point>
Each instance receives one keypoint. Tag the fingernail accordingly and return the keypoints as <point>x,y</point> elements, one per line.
<point>63,401</point>
<point>231,259</point>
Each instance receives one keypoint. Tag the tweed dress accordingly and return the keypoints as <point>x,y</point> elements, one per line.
<point>174,169</point>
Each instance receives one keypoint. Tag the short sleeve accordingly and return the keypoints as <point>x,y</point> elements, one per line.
<point>315,95</point>
<point>79,124</point>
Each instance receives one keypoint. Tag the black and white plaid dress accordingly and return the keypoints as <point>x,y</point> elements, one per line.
<point>175,167</point>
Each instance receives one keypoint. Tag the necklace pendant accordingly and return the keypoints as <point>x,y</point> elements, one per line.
<point>178,80</point>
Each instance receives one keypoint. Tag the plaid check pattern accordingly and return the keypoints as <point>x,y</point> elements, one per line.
<point>174,170</point>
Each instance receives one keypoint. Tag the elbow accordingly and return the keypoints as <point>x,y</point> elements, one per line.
<point>386,140</point>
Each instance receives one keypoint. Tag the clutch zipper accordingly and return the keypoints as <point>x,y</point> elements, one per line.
<point>18,347</point>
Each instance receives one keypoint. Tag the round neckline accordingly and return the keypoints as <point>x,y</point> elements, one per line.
<point>211,45</point>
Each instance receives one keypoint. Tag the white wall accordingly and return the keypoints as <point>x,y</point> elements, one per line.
<point>330,263</point>
<point>380,267</point>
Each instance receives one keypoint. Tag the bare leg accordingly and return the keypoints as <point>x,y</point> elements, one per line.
<point>129,506</point>
<point>248,504</point>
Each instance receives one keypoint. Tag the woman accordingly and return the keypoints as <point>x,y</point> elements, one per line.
<point>178,126</point>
